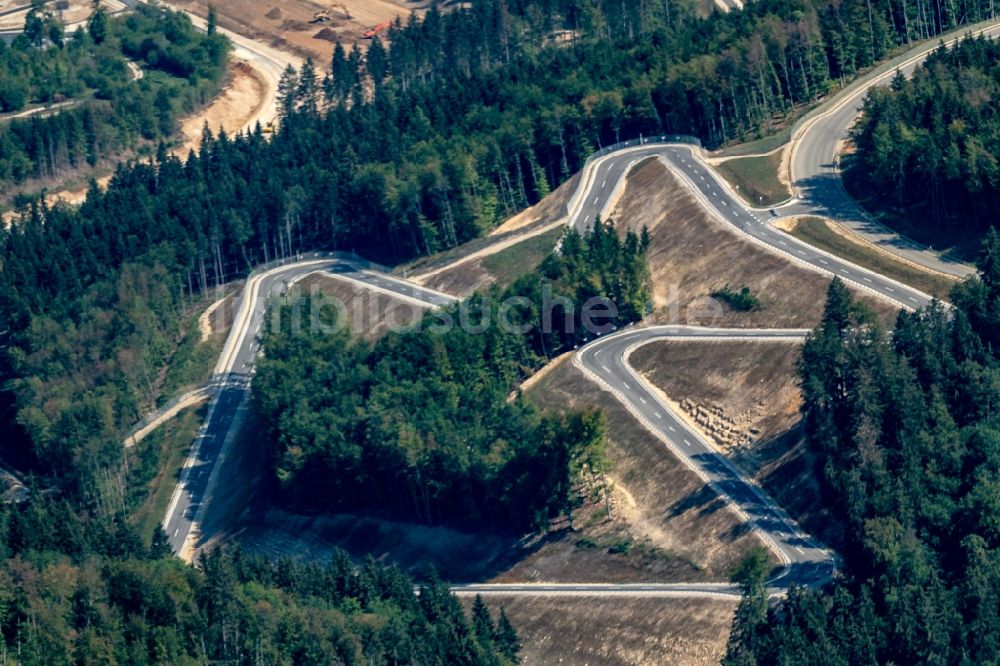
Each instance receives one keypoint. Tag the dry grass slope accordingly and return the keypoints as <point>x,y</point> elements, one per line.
<point>658,499</point>
<point>618,631</point>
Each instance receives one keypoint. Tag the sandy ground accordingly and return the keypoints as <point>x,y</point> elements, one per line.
<point>238,103</point>
<point>286,25</point>
<point>693,254</point>
<point>205,323</point>
<point>617,631</point>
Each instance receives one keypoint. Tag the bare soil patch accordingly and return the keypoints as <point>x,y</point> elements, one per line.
<point>218,317</point>
<point>369,313</point>
<point>327,34</point>
<point>692,254</point>
<point>231,110</point>
<point>658,502</point>
<point>617,630</point>
<point>741,393</point>
<point>745,398</point>
<point>288,26</point>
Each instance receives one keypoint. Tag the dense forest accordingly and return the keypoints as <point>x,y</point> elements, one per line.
<point>422,424</point>
<point>904,428</point>
<point>417,145</point>
<point>929,145</point>
<point>88,591</point>
<point>182,69</point>
<point>407,149</point>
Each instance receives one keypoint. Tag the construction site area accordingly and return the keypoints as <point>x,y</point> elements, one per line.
<point>309,29</point>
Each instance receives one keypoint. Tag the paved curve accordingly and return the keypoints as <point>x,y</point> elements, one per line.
<point>605,360</point>
<point>607,178</point>
<point>815,173</point>
<point>232,377</point>
<point>806,561</point>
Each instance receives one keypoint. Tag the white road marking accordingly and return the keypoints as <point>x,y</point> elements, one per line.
<point>642,400</point>
<point>627,387</point>
<point>803,253</point>
<point>671,428</point>
<point>604,184</point>
<point>176,531</point>
<point>659,415</point>
<point>824,262</point>
<point>605,368</point>
<point>890,289</point>
<point>913,299</point>
<point>800,551</point>
<point>868,280</point>
<point>595,199</point>
<point>782,243</point>
<point>687,443</point>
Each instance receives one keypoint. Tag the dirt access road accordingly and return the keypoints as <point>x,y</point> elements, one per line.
<point>286,26</point>
<point>250,97</point>
<point>78,10</point>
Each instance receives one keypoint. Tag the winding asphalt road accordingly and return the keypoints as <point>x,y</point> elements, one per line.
<point>607,178</point>
<point>814,166</point>
<point>605,360</point>
<point>233,375</point>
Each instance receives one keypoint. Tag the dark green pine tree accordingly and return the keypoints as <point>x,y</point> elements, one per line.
<point>482,622</point>
<point>159,546</point>
<point>506,639</point>
<point>751,614</point>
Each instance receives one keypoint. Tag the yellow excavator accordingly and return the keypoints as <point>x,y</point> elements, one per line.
<point>327,14</point>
